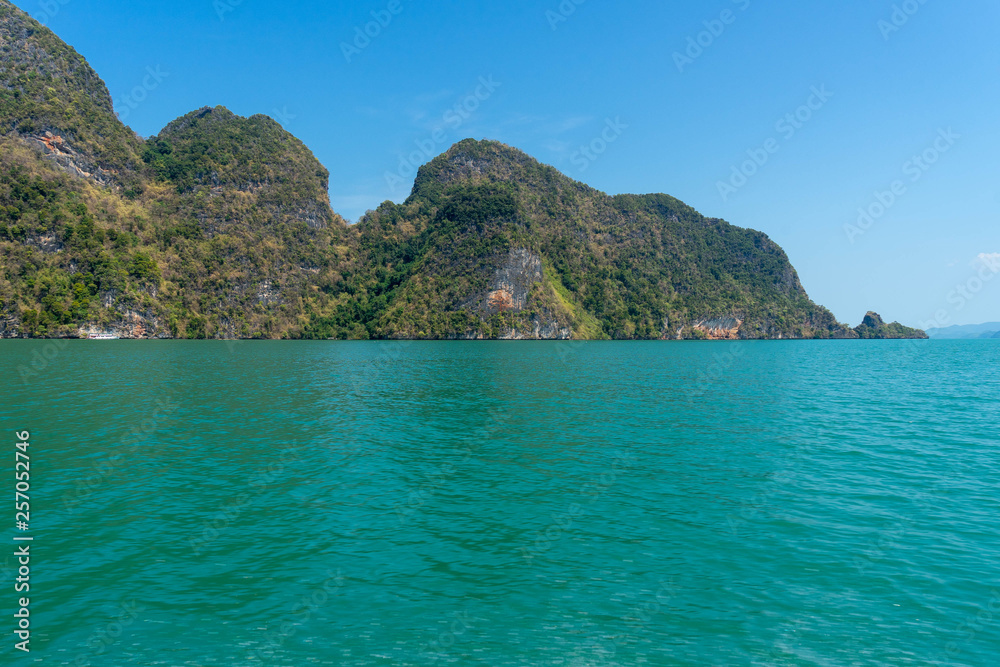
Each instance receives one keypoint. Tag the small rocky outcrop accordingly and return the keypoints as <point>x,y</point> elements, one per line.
<point>874,327</point>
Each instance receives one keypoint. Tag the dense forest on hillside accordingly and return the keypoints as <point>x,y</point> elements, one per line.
<point>221,227</point>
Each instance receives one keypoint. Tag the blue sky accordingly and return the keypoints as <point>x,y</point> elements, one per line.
<point>689,98</point>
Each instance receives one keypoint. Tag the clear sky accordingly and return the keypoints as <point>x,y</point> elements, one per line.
<point>887,80</point>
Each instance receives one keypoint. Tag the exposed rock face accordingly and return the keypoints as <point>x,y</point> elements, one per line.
<point>509,291</point>
<point>722,328</point>
<point>58,150</point>
<point>10,326</point>
<point>542,331</point>
<point>132,324</point>
<point>268,294</point>
<point>47,243</point>
<point>512,282</point>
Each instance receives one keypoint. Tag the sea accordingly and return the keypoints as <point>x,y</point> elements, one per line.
<point>286,503</point>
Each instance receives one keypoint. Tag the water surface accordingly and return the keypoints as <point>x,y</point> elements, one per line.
<point>298,503</point>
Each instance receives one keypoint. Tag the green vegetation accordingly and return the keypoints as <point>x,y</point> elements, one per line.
<point>874,327</point>
<point>47,86</point>
<point>613,267</point>
<point>220,227</point>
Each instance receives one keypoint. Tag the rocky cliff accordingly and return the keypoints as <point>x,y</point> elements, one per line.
<point>492,242</point>
<point>221,227</point>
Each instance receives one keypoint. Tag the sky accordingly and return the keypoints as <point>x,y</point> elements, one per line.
<point>862,135</point>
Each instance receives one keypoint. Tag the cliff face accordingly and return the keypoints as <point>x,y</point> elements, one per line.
<point>221,227</point>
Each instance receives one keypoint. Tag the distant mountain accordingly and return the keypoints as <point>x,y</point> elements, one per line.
<point>987,330</point>
<point>221,227</point>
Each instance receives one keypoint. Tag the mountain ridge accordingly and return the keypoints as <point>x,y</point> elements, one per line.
<point>221,227</point>
<point>966,331</point>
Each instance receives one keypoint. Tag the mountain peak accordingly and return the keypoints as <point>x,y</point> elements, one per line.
<point>212,150</point>
<point>873,320</point>
<point>476,161</point>
<point>47,87</point>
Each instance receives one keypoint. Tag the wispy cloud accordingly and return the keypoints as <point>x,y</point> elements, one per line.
<point>570,124</point>
<point>557,146</point>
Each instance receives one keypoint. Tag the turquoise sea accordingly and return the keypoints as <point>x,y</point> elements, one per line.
<point>492,503</point>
